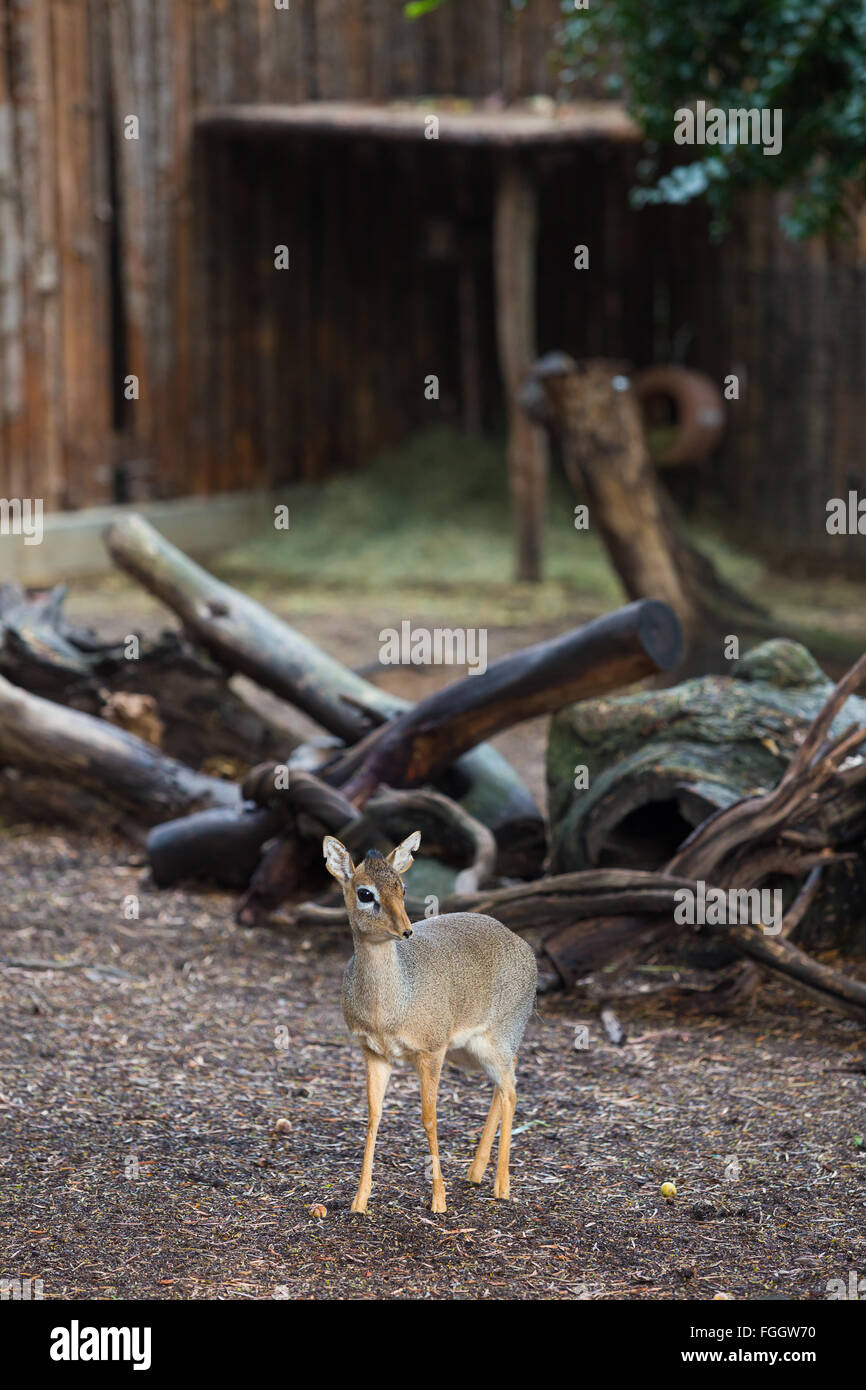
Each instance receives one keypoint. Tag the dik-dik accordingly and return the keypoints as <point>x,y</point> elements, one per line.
<point>460,986</point>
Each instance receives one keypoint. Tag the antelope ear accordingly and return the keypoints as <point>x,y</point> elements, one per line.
<point>338,860</point>
<point>401,858</point>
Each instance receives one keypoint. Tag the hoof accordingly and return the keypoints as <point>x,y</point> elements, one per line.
<point>360,1208</point>
<point>503,1193</point>
<point>438,1204</point>
<point>474,1177</point>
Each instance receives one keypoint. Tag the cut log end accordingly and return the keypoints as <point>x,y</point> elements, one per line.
<point>661,634</point>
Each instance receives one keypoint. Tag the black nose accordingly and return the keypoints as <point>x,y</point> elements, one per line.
<point>408,932</point>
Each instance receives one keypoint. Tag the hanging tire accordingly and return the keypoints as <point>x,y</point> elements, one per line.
<point>698,407</point>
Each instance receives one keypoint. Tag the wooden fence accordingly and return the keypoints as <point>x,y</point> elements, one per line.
<point>150,258</point>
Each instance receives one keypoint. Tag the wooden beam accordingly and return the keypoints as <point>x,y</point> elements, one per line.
<point>514,237</point>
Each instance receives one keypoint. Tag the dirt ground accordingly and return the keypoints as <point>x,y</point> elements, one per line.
<point>145,1065</point>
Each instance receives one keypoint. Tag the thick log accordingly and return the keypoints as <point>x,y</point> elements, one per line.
<point>36,734</point>
<point>421,745</point>
<point>225,846</point>
<point>592,409</point>
<point>607,654</point>
<point>32,799</point>
<point>245,637</point>
<point>222,845</point>
<point>204,721</point>
<point>781,831</point>
<point>201,718</point>
<point>450,836</point>
<point>660,762</point>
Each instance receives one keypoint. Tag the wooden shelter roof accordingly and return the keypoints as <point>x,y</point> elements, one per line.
<point>460,124</point>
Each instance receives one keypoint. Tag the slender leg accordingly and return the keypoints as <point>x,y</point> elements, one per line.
<point>502,1185</point>
<point>378,1071</point>
<point>479,1163</point>
<point>429,1066</point>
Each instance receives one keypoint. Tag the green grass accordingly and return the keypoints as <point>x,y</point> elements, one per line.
<point>431,520</point>
<point>432,517</point>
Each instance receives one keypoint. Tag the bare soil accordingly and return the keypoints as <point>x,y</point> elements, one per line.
<point>177,1093</point>
<point>143,1075</point>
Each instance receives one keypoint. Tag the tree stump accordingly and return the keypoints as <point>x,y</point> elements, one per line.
<point>659,762</point>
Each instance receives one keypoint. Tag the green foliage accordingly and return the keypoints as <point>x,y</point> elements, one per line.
<point>806,57</point>
<point>416,8</point>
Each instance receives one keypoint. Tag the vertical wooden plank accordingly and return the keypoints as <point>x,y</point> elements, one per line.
<point>481,47</point>
<point>222,384</point>
<point>282,64</point>
<point>133,86</point>
<point>362,301</point>
<point>178,195</point>
<point>14,421</point>
<point>40,196</point>
<point>100,374</point>
<point>539,60</point>
<point>440,59</point>
<point>378,50</point>
<point>274,370</point>
<point>406,54</point>
<point>339,63</point>
<point>204,270</point>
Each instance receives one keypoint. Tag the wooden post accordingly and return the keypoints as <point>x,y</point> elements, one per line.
<point>514,258</point>
<point>470,355</point>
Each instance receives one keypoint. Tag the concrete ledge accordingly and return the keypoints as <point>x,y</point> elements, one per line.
<point>72,548</point>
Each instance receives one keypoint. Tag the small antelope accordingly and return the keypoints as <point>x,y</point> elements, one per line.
<point>461,986</point>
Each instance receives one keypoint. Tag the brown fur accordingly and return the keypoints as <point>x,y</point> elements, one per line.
<point>460,986</point>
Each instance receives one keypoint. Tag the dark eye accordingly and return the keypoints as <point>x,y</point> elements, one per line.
<point>365,896</point>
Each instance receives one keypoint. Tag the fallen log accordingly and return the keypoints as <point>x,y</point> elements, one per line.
<point>451,835</point>
<point>225,845</point>
<point>198,717</point>
<point>660,762</point>
<point>41,651</point>
<point>26,798</point>
<point>222,845</point>
<point>596,916</point>
<point>97,756</point>
<point>448,833</point>
<point>423,744</point>
<point>784,830</point>
<point>244,637</point>
<point>418,746</point>
<point>579,896</point>
<point>205,722</point>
